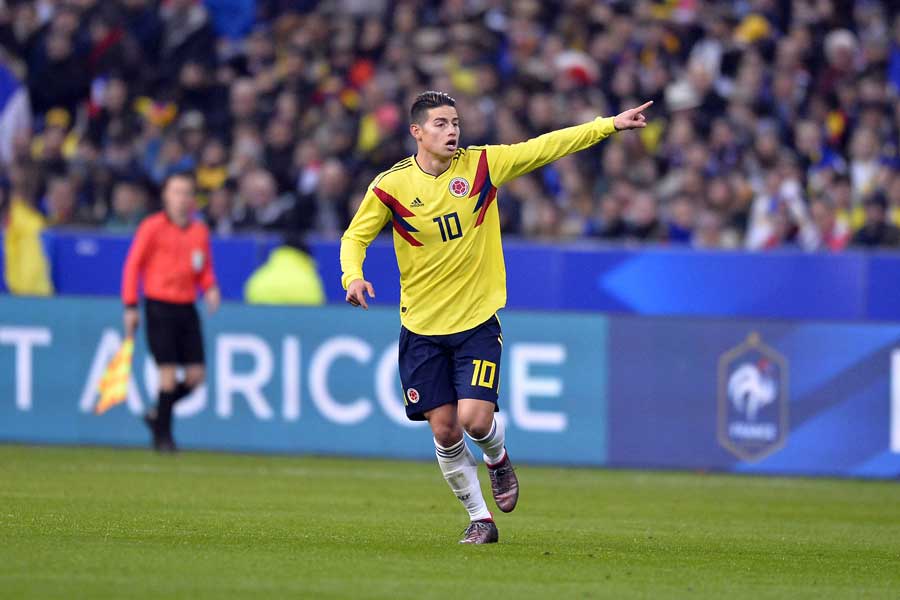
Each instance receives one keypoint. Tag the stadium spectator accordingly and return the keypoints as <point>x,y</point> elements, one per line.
<point>710,232</point>
<point>243,101</point>
<point>212,170</point>
<point>192,134</point>
<point>681,220</point>
<point>15,112</point>
<point>892,194</point>
<point>289,276</point>
<point>219,210</point>
<point>851,215</point>
<point>187,35</point>
<point>128,207</point>
<point>330,200</point>
<point>610,224</point>
<point>142,21</point>
<point>831,234</point>
<point>49,149</point>
<point>278,155</point>
<point>199,92</point>
<point>57,76</point>
<point>259,207</point>
<point>779,216</point>
<point>112,115</point>
<point>876,232</point>
<point>112,47</point>
<point>26,268</point>
<point>642,223</point>
<point>61,204</point>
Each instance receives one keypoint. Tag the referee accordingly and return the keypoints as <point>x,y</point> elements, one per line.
<point>170,257</point>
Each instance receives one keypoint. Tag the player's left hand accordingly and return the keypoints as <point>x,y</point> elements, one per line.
<point>632,118</point>
<point>213,298</point>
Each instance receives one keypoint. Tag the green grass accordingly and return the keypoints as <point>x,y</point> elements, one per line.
<point>98,523</point>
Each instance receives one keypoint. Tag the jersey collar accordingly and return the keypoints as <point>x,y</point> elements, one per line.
<point>431,177</point>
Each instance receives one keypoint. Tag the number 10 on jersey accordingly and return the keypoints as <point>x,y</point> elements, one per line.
<point>449,226</point>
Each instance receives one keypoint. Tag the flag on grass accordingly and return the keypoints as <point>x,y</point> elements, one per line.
<point>113,386</point>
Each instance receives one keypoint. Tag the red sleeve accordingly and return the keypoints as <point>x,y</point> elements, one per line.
<point>207,275</point>
<point>134,263</point>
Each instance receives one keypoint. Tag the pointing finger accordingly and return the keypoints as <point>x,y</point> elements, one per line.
<point>644,106</point>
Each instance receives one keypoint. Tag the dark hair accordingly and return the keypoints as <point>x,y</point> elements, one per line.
<point>179,175</point>
<point>842,178</point>
<point>876,199</point>
<point>425,102</point>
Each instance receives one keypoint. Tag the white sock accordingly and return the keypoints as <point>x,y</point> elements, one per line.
<point>493,444</point>
<point>460,469</point>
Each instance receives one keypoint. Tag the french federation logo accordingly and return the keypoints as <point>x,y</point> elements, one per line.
<point>753,400</point>
<point>459,187</point>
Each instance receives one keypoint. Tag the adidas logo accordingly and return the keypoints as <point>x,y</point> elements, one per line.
<point>416,203</point>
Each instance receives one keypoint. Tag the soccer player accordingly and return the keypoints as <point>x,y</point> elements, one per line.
<point>170,254</point>
<point>441,203</point>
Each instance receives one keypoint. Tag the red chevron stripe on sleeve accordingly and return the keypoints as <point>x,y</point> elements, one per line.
<point>481,175</point>
<point>398,212</point>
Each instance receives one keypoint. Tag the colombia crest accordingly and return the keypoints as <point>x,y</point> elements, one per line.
<point>459,187</point>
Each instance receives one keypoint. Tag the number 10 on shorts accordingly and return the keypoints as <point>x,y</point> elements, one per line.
<point>484,372</point>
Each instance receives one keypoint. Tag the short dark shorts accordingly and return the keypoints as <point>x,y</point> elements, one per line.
<point>440,369</point>
<point>173,333</point>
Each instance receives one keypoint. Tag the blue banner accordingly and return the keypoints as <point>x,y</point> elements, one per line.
<point>581,277</point>
<point>741,396</point>
<point>755,396</point>
<point>320,380</point>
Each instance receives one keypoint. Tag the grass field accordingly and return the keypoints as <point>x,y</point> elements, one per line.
<point>96,523</point>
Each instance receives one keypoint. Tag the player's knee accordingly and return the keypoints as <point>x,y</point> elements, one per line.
<point>192,379</point>
<point>477,425</point>
<point>478,430</point>
<point>167,380</point>
<point>446,434</point>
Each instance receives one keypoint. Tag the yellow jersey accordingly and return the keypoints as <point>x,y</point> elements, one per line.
<point>447,228</point>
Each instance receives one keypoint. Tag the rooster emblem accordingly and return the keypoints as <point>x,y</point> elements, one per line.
<point>751,387</point>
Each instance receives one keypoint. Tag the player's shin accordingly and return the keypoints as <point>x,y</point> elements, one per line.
<point>164,413</point>
<point>460,469</point>
<point>493,444</point>
<point>182,390</point>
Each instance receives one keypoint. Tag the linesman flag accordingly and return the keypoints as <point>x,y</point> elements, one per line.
<point>113,386</point>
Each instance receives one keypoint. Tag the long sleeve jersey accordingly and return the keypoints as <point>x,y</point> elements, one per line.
<point>172,261</point>
<point>447,228</point>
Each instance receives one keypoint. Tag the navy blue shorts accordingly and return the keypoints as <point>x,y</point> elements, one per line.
<point>440,369</point>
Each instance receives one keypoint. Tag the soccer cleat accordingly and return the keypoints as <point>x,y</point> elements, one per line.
<point>165,446</point>
<point>481,532</point>
<point>504,484</point>
<point>161,441</point>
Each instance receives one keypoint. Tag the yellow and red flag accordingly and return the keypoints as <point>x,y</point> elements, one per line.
<point>113,386</point>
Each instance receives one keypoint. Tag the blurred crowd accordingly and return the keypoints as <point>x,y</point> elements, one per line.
<point>775,123</point>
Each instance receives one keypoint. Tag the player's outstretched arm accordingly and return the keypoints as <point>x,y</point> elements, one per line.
<point>356,293</point>
<point>633,118</point>
<point>507,162</point>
